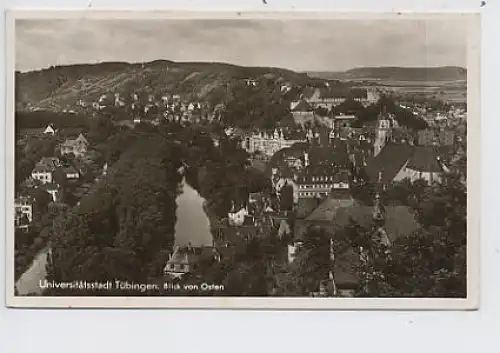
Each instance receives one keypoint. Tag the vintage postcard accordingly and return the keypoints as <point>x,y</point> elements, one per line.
<point>278,160</point>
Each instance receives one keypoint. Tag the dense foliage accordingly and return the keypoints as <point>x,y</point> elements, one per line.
<point>120,228</point>
<point>432,262</point>
<point>386,104</point>
<point>262,107</point>
<point>310,266</point>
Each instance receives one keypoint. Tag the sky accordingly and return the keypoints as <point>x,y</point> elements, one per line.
<point>301,45</point>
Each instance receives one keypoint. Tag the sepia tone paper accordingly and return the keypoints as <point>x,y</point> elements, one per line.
<point>280,160</point>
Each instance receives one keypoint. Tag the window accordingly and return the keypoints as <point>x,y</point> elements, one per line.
<point>181,266</point>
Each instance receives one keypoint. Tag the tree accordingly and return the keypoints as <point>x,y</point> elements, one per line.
<point>101,128</point>
<point>124,224</point>
<point>386,104</point>
<point>255,107</point>
<point>42,200</point>
<point>432,262</point>
<point>249,269</point>
<point>310,267</point>
<point>348,107</point>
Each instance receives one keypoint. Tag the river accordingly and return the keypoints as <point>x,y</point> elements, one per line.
<point>28,283</point>
<point>192,226</point>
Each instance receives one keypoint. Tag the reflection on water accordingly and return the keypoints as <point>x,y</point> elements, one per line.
<point>29,281</point>
<point>193,225</point>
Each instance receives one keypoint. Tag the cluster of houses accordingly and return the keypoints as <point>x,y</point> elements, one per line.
<point>328,98</point>
<point>48,175</point>
<point>440,119</point>
<point>318,179</point>
<point>270,142</point>
<point>153,108</point>
<point>321,179</point>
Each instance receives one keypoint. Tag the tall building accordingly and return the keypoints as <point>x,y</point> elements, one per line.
<point>382,133</point>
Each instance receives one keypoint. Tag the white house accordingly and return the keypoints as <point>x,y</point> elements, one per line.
<point>44,169</point>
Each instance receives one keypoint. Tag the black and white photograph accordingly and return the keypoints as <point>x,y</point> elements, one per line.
<point>243,161</point>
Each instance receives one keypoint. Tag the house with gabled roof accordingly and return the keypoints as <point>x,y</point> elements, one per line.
<point>45,168</point>
<point>396,162</point>
<point>187,259</point>
<point>76,146</point>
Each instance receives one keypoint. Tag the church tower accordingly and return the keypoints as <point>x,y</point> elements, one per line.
<point>382,133</point>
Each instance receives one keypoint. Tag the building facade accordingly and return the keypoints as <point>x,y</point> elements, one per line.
<point>23,212</point>
<point>268,144</point>
<point>44,169</point>
<point>77,146</point>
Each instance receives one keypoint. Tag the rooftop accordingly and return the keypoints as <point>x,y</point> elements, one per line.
<point>389,162</point>
<point>425,159</point>
<point>327,210</point>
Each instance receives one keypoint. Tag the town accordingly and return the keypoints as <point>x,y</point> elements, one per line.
<point>308,189</point>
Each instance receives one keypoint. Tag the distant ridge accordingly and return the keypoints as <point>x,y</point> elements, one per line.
<point>395,73</point>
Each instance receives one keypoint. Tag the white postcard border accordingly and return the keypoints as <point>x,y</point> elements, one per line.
<point>473,175</point>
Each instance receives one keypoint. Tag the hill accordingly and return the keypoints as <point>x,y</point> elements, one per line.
<point>60,87</point>
<point>445,73</point>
